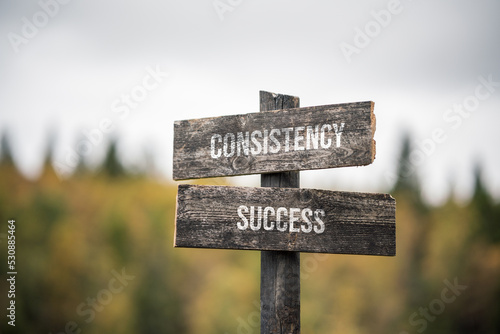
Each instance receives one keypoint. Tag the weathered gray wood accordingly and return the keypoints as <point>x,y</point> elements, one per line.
<point>354,223</point>
<point>280,271</point>
<point>194,157</point>
<point>280,292</point>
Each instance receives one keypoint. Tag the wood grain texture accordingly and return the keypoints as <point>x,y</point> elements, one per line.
<point>279,271</point>
<point>280,292</point>
<point>355,223</point>
<point>192,141</point>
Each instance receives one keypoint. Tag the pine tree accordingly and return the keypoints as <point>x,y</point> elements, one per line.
<point>407,182</point>
<point>407,192</point>
<point>49,153</point>
<point>112,166</point>
<point>48,176</point>
<point>82,167</point>
<point>5,151</point>
<point>487,212</point>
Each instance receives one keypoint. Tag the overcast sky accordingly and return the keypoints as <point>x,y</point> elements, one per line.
<point>65,67</point>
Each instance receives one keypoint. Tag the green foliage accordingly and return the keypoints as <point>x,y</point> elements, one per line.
<point>75,236</point>
<point>486,210</point>
<point>407,183</point>
<point>406,172</point>
<point>112,167</point>
<point>5,150</point>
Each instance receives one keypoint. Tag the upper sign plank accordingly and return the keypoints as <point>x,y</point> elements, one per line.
<point>285,219</point>
<point>336,135</point>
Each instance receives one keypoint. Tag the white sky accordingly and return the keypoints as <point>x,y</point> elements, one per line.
<point>425,59</point>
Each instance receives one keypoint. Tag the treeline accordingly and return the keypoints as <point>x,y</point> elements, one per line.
<point>111,165</point>
<point>94,254</point>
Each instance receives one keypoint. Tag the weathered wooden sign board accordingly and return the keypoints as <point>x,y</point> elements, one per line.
<point>285,219</point>
<point>280,219</point>
<point>337,135</point>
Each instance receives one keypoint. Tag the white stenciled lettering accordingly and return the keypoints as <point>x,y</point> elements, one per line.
<point>312,137</point>
<point>257,145</point>
<point>266,141</point>
<point>243,144</point>
<point>243,225</point>
<point>287,131</point>
<point>292,220</point>
<point>275,141</point>
<point>268,226</point>
<point>306,217</point>
<point>328,143</point>
<point>229,145</point>
<point>299,138</point>
<point>318,214</point>
<point>255,226</point>
<point>279,212</point>
<point>215,154</point>
<point>338,132</point>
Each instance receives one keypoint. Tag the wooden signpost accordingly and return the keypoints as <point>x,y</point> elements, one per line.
<point>277,219</point>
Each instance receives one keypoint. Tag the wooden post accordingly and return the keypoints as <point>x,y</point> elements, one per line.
<point>326,136</point>
<point>280,271</point>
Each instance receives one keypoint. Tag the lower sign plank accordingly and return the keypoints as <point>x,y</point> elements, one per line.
<point>285,219</point>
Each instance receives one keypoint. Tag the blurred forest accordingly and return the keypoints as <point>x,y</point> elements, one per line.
<point>95,255</point>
